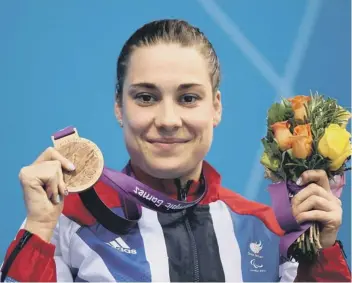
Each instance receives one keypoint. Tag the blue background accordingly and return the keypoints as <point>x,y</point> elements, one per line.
<point>57,68</point>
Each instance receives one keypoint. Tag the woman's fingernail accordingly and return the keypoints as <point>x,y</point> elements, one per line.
<point>58,199</point>
<point>299,181</point>
<point>71,166</point>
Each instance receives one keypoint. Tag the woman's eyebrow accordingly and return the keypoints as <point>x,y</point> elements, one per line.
<point>146,85</point>
<point>152,86</point>
<point>188,86</point>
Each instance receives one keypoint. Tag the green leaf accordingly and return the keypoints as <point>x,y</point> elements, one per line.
<point>271,163</point>
<point>279,112</point>
<point>271,148</point>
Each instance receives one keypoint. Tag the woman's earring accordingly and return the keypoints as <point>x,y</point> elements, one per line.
<point>121,124</point>
<point>214,123</point>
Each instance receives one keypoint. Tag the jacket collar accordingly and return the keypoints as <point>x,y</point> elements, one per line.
<point>169,187</point>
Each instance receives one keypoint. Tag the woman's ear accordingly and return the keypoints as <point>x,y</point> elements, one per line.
<point>217,109</point>
<point>118,113</point>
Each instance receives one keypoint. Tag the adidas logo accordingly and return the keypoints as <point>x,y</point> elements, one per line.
<point>121,246</point>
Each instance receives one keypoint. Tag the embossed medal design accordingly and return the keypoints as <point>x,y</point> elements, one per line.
<point>84,154</point>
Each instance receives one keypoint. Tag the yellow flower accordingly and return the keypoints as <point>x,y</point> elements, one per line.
<point>282,134</point>
<point>271,164</point>
<point>335,145</point>
<point>298,108</point>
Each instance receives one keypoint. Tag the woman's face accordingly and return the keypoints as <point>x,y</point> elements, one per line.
<point>169,110</point>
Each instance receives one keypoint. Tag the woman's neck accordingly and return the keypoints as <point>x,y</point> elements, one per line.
<point>168,186</point>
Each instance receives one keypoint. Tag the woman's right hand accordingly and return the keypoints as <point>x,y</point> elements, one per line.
<point>44,190</point>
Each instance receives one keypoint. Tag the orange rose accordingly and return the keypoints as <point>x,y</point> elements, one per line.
<point>282,134</point>
<point>303,130</point>
<point>301,147</point>
<point>298,103</point>
<point>302,141</point>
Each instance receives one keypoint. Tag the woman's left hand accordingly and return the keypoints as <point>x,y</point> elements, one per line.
<point>317,203</point>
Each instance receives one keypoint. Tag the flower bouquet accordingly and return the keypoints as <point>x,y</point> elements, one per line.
<point>303,133</point>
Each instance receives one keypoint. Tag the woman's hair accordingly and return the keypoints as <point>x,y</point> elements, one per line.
<point>167,31</point>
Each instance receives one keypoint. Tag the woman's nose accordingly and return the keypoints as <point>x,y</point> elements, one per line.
<point>167,116</point>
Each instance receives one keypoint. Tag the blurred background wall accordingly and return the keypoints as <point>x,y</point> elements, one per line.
<point>57,68</point>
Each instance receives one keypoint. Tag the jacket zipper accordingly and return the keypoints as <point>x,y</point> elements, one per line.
<point>194,248</point>
<point>182,195</point>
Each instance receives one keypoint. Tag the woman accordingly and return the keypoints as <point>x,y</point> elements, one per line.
<point>168,103</point>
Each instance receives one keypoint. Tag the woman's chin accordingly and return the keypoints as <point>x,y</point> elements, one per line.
<point>167,168</point>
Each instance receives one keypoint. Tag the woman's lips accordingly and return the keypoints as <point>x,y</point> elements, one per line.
<point>167,144</point>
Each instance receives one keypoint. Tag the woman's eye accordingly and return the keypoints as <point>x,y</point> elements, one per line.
<point>189,98</point>
<point>145,98</point>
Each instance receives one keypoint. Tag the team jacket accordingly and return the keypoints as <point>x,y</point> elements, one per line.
<point>223,238</point>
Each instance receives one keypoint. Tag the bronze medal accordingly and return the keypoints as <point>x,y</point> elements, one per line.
<point>87,158</point>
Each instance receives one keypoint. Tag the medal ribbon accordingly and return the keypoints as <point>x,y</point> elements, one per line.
<point>133,193</point>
